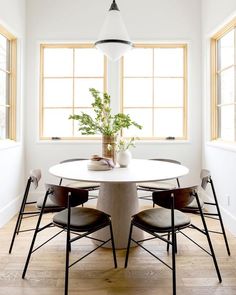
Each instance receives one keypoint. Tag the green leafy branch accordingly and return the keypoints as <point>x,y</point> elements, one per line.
<point>104,122</point>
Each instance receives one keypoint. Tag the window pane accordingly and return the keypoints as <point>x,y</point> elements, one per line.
<point>58,92</point>
<point>3,88</point>
<point>83,97</point>
<point>168,92</point>
<point>226,122</point>
<point>226,86</point>
<point>226,50</point>
<point>168,122</point>
<point>58,62</point>
<point>89,63</point>
<point>168,62</point>
<point>142,117</point>
<point>4,113</point>
<point>68,75</point>
<point>56,122</point>
<point>137,92</point>
<point>138,63</point>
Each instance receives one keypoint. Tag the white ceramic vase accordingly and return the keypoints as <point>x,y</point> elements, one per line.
<point>124,158</point>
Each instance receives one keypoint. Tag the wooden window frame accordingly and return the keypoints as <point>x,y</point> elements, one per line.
<point>12,83</point>
<point>41,104</point>
<point>185,87</point>
<point>213,76</point>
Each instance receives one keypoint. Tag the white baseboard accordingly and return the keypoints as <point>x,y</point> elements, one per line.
<point>8,211</point>
<point>228,219</point>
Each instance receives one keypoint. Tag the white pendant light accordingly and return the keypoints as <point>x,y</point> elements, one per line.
<point>113,39</point>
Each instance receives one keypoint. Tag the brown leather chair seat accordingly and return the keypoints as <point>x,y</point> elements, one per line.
<point>82,219</point>
<point>159,219</point>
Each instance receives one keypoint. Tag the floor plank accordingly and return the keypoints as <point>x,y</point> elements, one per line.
<point>96,276</point>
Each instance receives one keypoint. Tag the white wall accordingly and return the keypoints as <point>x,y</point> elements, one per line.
<point>220,160</point>
<point>80,20</point>
<point>12,17</point>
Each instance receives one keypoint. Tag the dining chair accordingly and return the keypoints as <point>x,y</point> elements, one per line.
<point>25,212</point>
<point>90,186</point>
<point>77,222</point>
<point>158,185</point>
<point>206,179</point>
<point>167,220</point>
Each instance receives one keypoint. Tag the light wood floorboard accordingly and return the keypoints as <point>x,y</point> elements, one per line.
<point>95,275</point>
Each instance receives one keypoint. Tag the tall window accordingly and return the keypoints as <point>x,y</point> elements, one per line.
<point>67,73</point>
<point>7,85</point>
<point>224,84</point>
<point>154,90</point>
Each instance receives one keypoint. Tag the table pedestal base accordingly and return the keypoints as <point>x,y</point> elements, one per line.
<point>121,202</point>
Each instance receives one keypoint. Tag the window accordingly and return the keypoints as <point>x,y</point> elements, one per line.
<point>223,69</point>
<point>67,73</point>
<point>154,90</point>
<point>7,85</point>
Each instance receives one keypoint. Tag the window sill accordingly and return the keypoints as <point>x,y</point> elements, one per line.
<point>222,145</point>
<point>8,144</point>
<point>96,141</point>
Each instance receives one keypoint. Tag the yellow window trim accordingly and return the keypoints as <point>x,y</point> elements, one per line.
<point>12,83</point>
<point>41,106</point>
<point>213,76</point>
<point>185,81</point>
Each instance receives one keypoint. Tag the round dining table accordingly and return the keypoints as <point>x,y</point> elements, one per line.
<point>118,189</point>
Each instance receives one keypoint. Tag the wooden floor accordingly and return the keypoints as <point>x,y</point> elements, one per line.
<point>95,275</point>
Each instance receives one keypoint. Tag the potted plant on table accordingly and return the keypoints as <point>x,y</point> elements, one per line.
<point>123,150</point>
<point>104,122</point>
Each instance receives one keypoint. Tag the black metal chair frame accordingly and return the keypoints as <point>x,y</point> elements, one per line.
<point>89,188</point>
<point>173,241</point>
<point>24,214</point>
<point>216,216</point>
<point>69,240</point>
<point>149,189</point>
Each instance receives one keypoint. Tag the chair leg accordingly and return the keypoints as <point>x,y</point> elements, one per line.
<point>16,230</point>
<point>220,218</point>
<point>173,263</point>
<point>174,247</point>
<point>113,246</point>
<point>175,237</point>
<point>19,223</point>
<point>19,218</point>
<point>31,247</point>
<point>68,249</point>
<point>209,240</point>
<point>128,246</point>
<point>69,245</point>
<point>34,236</point>
<point>168,245</point>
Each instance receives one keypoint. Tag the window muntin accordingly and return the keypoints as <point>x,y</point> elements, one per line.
<point>7,85</point>
<point>223,69</point>
<point>67,73</point>
<point>154,90</point>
